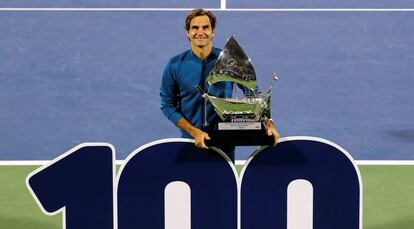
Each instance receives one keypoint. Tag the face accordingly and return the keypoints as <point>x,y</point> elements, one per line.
<point>200,33</point>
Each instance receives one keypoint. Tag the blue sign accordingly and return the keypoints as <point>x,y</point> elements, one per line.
<point>303,182</point>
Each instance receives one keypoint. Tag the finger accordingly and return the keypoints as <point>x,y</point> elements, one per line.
<point>203,145</point>
<point>197,144</point>
<point>276,138</point>
<point>269,132</point>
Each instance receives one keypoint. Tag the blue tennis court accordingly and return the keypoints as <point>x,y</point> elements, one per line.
<point>69,76</point>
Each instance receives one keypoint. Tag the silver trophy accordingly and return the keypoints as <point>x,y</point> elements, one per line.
<point>242,119</point>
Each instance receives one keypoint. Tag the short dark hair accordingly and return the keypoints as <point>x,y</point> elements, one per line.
<point>200,12</point>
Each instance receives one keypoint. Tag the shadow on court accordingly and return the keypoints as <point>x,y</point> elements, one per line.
<point>404,135</point>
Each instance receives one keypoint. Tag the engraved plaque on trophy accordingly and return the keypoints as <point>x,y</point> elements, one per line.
<point>242,119</point>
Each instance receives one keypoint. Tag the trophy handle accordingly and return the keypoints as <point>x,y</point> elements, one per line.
<point>199,89</point>
<point>204,95</point>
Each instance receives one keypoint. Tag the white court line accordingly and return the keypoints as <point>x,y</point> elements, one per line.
<point>364,162</point>
<point>385,162</point>
<point>237,162</point>
<point>223,8</point>
<point>321,10</point>
<point>223,4</point>
<point>37,162</point>
<point>96,9</point>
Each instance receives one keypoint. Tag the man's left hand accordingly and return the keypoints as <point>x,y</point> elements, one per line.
<point>271,130</point>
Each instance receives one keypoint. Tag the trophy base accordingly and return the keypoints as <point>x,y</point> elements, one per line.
<point>239,134</point>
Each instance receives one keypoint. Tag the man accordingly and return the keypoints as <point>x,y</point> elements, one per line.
<point>180,101</point>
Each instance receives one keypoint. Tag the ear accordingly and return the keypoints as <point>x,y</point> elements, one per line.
<point>212,34</point>
<point>188,35</point>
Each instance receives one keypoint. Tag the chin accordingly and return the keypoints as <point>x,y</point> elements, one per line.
<point>201,44</point>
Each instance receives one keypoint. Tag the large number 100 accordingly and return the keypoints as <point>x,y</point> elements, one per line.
<point>302,183</point>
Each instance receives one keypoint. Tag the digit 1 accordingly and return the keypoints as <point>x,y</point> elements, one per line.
<point>79,183</point>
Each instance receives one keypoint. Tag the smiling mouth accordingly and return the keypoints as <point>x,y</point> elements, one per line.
<point>200,38</point>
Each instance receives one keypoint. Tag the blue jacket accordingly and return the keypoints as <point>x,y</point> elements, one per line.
<point>180,99</point>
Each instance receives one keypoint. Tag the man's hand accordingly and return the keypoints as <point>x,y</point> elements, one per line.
<point>200,138</point>
<point>198,135</point>
<point>271,130</point>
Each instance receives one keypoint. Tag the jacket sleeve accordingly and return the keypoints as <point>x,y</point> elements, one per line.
<point>170,101</point>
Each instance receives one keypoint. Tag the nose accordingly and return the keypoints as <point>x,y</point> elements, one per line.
<point>200,31</point>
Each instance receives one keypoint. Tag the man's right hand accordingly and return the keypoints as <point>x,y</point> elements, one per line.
<point>198,135</point>
<point>200,138</point>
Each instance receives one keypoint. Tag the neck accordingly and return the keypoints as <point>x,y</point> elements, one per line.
<point>202,52</point>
